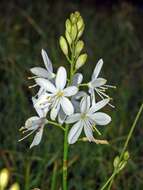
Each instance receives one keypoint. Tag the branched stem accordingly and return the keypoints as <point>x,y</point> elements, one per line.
<point>109,182</point>
<point>56,124</point>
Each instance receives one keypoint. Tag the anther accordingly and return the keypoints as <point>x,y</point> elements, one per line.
<point>32,86</point>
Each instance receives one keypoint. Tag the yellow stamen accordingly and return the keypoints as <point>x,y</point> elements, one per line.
<point>60,93</point>
<point>32,77</point>
<point>32,86</point>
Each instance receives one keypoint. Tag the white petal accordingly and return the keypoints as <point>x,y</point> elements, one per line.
<point>38,110</point>
<point>85,104</point>
<point>61,78</point>
<point>93,101</point>
<point>97,82</point>
<point>42,104</point>
<point>70,91</point>
<point>80,94</point>
<point>40,92</point>
<point>73,118</point>
<point>99,105</point>
<point>75,132</point>
<point>77,79</point>
<point>97,69</point>
<point>76,105</point>
<point>40,72</point>
<point>88,131</point>
<point>67,106</point>
<point>41,110</point>
<point>47,61</point>
<point>46,84</point>
<point>101,118</point>
<point>54,111</point>
<point>32,122</point>
<point>61,117</point>
<point>37,138</point>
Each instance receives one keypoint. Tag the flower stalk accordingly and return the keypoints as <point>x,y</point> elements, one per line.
<point>65,158</point>
<point>121,161</point>
<point>61,103</point>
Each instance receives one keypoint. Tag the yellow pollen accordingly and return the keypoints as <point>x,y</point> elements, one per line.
<point>83,116</point>
<point>60,93</point>
<point>48,98</point>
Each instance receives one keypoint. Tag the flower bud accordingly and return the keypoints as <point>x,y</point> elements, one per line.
<point>79,47</point>
<point>80,32</point>
<point>77,14</point>
<point>4,177</point>
<point>15,186</point>
<point>81,61</point>
<point>122,165</point>
<point>73,18</point>
<point>80,23</point>
<point>68,25</point>
<point>63,45</point>
<point>74,32</point>
<point>126,155</point>
<point>116,161</point>
<point>68,37</point>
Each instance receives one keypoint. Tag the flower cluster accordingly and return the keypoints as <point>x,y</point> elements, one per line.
<point>61,98</point>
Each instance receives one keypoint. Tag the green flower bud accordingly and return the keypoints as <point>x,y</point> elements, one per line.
<point>68,37</point>
<point>15,186</point>
<point>79,47</point>
<point>122,165</point>
<point>73,18</point>
<point>4,177</point>
<point>80,32</point>
<point>63,45</point>
<point>77,14</point>
<point>68,25</point>
<point>116,161</point>
<point>81,61</point>
<point>74,32</point>
<point>80,23</point>
<point>126,155</point>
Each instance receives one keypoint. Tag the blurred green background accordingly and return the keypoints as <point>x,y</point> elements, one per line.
<point>114,32</point>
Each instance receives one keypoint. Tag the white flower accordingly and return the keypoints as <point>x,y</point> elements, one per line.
<point>41,72</point>
<point>87,119</point>
<point>42,110</point>
<point>98,84</point>
<point>77,79</point>
<point>35,124</point>
<point>57,94</point>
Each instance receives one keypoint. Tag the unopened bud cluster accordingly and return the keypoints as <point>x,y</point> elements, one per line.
<point>74,27</point>
<point>119,164</point>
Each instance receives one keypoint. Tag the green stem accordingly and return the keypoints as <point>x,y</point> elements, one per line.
<point>110,184</point>
<point>131,131</point>
<point>54,176</point>
<point>111,178</point>
<point>84,84</point>
<point>108,181</point>
<point>65,158</point>
<point>27,175</point>
<point>56,124</point>
<point>66,146</point>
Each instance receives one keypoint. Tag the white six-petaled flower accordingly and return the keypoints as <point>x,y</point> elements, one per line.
<point>35,124</point>
<point>98,84</point>
<point>57,94</point>
<point>87,119</point>
<point>62,101</point>
<point>41,72</point>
